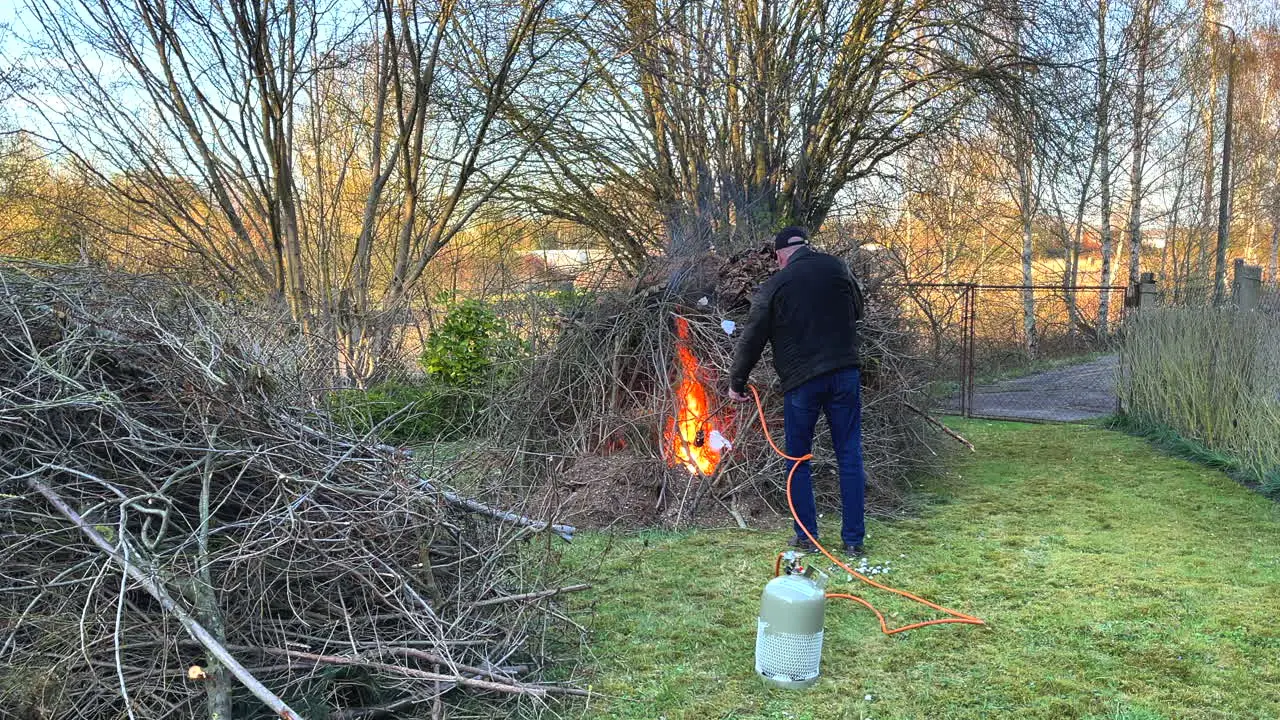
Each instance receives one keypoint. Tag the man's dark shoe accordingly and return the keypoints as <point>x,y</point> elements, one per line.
<point>802,543</point>
<point>855,549</point>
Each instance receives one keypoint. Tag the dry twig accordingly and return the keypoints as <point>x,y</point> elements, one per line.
<point>191,434</point>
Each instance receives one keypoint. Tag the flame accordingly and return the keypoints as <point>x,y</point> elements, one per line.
<point>689,432</point>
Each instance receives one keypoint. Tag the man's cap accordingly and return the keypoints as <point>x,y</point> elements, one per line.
<point>790,237</point>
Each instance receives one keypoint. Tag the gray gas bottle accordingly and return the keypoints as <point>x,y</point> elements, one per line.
<point>789,629</point>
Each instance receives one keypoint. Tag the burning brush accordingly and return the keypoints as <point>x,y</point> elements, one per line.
<point>694,438</point>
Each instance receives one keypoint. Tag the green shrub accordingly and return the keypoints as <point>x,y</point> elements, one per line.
<point>1211,377</point>
<point>571,299</point>
<point>407,413</point>
<point>470,347</point>
<point>469,357</point>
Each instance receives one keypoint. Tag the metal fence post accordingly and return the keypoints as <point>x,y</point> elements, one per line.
<point>971,373</point>
<point>966,359</point>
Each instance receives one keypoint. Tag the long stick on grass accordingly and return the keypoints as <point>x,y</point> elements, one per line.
<point>564,531</point>
<point>157,591</point>
<point>532,595</point>
<point>934,421</point>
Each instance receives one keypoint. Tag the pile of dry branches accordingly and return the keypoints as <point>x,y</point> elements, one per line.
<point>183,535</point>
<point>608,389</point>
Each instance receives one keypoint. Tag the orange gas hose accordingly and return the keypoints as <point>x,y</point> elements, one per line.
<point>956,617</point>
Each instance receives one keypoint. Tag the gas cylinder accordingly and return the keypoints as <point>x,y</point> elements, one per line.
<point>789,629</point>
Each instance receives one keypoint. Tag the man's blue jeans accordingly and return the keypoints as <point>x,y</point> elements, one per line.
<point>836,394</point>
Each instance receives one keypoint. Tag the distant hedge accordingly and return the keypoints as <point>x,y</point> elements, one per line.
<point>1212,377</point>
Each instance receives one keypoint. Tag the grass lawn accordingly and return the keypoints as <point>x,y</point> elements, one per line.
<point>1117,583</point>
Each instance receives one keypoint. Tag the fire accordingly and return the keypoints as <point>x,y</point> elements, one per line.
<point>695,435</point>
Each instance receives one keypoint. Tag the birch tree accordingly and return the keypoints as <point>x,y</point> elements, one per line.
<point>1142,40</point>
<point>1104,85</point>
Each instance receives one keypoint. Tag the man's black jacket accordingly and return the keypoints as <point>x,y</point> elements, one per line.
<point>810,311</point>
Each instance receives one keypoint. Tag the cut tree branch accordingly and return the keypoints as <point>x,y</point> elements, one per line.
<point>531,595</point>
<point>934,421</point>
<point>157,591</point>
<point>510,688</point>
<point>564,531</point>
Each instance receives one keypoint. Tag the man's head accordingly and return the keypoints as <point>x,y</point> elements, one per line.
<point>787,241</point>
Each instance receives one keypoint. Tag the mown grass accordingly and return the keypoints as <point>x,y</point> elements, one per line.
<point>1169,441</point>
<point>1119,584</point>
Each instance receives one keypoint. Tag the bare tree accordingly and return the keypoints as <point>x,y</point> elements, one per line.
<point>1071,181</point>
<point>232,135</point>
<point>950,199</point>
<point>424,148</point>
<point>1142,40</point>
<point>1257,177</point>
<point>1021,133</point>
<point>1273,262</point>
<point>194,129</point>
<point>727,118</point>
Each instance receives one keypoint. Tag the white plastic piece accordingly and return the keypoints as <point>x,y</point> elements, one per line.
<point>719,442</point>
<point>728,326</point>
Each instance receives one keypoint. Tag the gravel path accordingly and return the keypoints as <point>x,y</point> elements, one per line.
<point>1070,393</point>
<point>1066,394</point>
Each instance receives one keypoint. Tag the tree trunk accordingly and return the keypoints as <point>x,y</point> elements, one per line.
<point>1070,277</point>
<point>1211,10</point>
<point>1028,207</point>
<point>1025,160</point>
<point>1171,236</point>
<point>1104,167</point>
<point>1028,295</point>
<point>1224,193</point>
<point>220,683</point>
<point>1139,142</point>
<point>1071,274</point>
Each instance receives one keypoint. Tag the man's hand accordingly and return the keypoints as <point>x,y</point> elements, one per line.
<point>738,397</point>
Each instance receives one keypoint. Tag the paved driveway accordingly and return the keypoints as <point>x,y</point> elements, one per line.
<point>1066,394</point>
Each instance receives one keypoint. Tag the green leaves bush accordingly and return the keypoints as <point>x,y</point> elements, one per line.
<point>468,359</point>
<point>404,413</point>
<point>1213,378</point>
<point>472,345</point>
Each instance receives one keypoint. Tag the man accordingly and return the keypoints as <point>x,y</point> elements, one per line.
<point>809,311</point>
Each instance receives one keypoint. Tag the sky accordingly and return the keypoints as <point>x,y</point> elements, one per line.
<point>13,26</point>
<point>14,15</point>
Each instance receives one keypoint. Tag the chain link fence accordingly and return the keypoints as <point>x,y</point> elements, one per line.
<point>1034,353</point>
